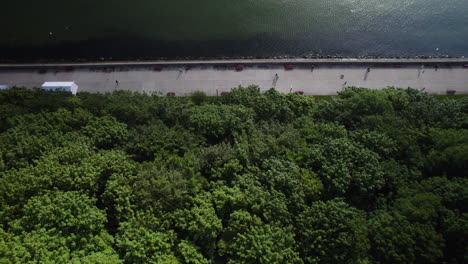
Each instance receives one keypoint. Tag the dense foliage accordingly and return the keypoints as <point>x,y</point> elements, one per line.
<point>249,177</point>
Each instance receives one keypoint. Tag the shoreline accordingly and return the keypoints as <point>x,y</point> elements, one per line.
<point>230,62</point>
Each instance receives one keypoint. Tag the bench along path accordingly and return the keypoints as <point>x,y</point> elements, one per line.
<point>319,78</point>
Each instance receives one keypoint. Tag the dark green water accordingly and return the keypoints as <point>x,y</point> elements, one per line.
<point>209,28</point>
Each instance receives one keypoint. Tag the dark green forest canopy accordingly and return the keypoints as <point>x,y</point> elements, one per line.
<point>257,177</point>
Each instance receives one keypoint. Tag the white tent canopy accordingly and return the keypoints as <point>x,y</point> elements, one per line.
<point>66,86</point>
<point>3,87</point>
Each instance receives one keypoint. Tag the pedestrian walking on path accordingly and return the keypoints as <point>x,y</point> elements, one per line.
<point>344,85</point>
<point>275,79</point>
<point>181,71</point>
<point>366,74</point>
<point>116,82</point>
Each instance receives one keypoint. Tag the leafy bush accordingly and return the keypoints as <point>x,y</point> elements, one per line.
<point>198,97</point>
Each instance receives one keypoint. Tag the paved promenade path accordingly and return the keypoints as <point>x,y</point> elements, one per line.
<point>312,76</point>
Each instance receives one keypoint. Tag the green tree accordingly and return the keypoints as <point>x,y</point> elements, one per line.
<point>198,97</point>
<point>145,142</point>
<point>106,132</point>
<point>200,223</point>
<point>347,168</point>
<point>395,239</point>
<point>61,227</point>
<point>220,121</point>
<point>332,232</point>
<point>131,108</point>
<point>448,154</point>
<point>160,188</point>
<point>271,105</point>
<point>145,239</point>
<point>191,253</point>
<point>353,104</point>
<point>248,240</point>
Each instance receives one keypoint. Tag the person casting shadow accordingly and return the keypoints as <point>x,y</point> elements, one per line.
<point>275,80</point>
<point>366,74</point>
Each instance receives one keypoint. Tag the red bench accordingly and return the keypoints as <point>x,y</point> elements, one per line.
<point>299,92</point>
<point>239,68</point>
<point>289,67</point>
<point>170,94</point>
<point>224,93</point>
<point>465,65</point>
<point>451,91</point>
<point>397,65</point>
<point>157,68</point>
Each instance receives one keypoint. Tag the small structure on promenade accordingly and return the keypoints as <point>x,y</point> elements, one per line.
<point>4,87</point>
<point>65,86</point>
<point>450,92</point>
<point>239,67</point>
